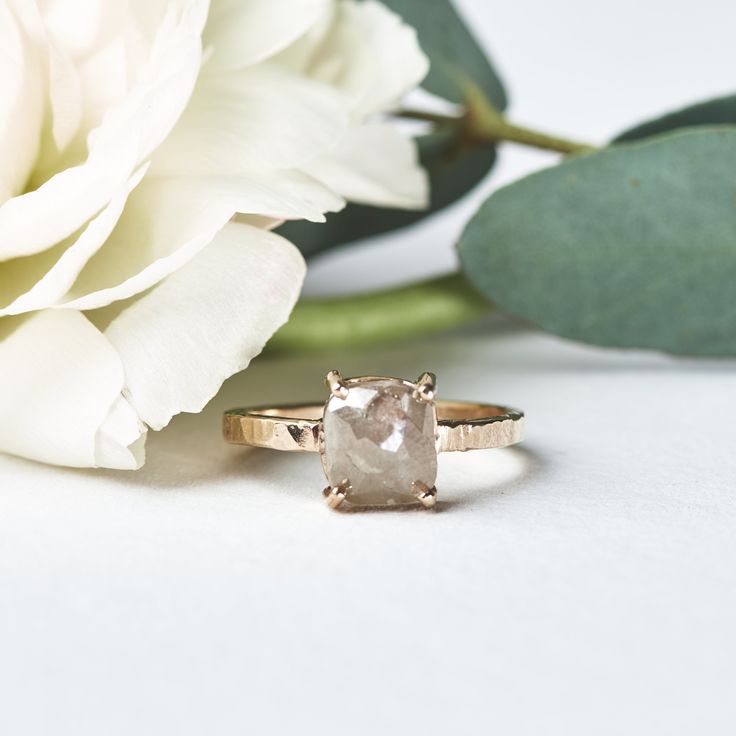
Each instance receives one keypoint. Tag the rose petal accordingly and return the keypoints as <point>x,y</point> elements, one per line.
<point>375,165</point>
<point>81,27</point>
<point>399,64</point>
<point>129,132</point>
<point>21,106</point>
<point>265,118</point>
<point>368,53</point>
<point>34,284</point>
<point>181,340</point>
<point>120,442</point>
<point>55,68</point>
<point>169,221</point>
<point>244,32</point>
<point>60,383</point>
<point>65,96</point>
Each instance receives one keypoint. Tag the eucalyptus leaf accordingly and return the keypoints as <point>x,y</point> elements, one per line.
<point>719,111</point>
<point>634,246</point>
<point>453,51</point>
<point>452,172</point>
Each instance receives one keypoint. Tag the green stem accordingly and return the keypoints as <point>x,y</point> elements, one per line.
<point>483,124</point>
<point>379,317</point>
<point>505,131</point>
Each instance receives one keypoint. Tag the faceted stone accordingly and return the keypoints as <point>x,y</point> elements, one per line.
<point>382,440</point>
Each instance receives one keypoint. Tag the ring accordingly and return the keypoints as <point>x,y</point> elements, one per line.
<point>378,437</point>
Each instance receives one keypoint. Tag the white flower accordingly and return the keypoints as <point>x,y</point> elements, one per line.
<point>130,134</point>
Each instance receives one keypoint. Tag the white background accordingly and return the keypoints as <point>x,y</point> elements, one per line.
<point>582,584</point>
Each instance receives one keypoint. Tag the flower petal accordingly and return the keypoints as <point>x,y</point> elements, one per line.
<point>65,92</point>
<point>181,340</point>
<point>169,221</point>
<point>34,284</point>
<point>375,165</point>
<point>244,32</point>
<point>21,106</point>
<point>81,27</point>
<point>120,443</point>
<point>60,384</point>
<point>260,119</point>
<point>368,53</point>
<point>399,64</point>
<point>128,134</point>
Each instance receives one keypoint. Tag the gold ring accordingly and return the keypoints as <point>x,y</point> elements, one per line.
<point>378,437</point>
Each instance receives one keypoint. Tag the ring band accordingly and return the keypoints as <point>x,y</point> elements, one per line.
<point>462,425</point>
<point>378,437</point>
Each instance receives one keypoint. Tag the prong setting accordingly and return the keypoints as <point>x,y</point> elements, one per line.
<point>426,388</point>
<point>337,494</point>
<point>336,383</point>
<point>425,495</point>
<point>353,446</point>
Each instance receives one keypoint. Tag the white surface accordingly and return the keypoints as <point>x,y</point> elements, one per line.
<point>584,584</point>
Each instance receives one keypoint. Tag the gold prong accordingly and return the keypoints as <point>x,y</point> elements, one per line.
<point>335,496</point>
<point>425,495</point>
<point>426,387</point>
<point>336,384</point>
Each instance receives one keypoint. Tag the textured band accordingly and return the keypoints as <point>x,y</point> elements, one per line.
<point>461,426</point>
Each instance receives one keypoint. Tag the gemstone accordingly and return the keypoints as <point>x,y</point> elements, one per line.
<point>382,440</point>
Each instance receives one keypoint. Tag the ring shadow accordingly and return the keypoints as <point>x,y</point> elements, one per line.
<point>182,461</point>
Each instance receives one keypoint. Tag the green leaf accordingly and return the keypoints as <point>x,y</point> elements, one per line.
<point>453,51</point>
<point>452,171</point>
<point>720,111</point>
<point>634,246</point>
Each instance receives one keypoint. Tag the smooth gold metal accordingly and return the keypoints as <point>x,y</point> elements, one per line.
<point>336,384</point>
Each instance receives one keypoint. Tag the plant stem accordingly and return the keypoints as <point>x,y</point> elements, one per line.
<point>505,131</point>
<point>481,124</point>
<point>368,319</point>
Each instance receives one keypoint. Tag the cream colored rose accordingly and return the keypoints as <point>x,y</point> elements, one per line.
<point>131,133</point>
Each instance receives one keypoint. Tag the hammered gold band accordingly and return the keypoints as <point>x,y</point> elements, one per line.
<point>461,426</point>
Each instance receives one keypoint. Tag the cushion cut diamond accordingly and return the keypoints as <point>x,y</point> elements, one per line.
<point>382,440</point>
